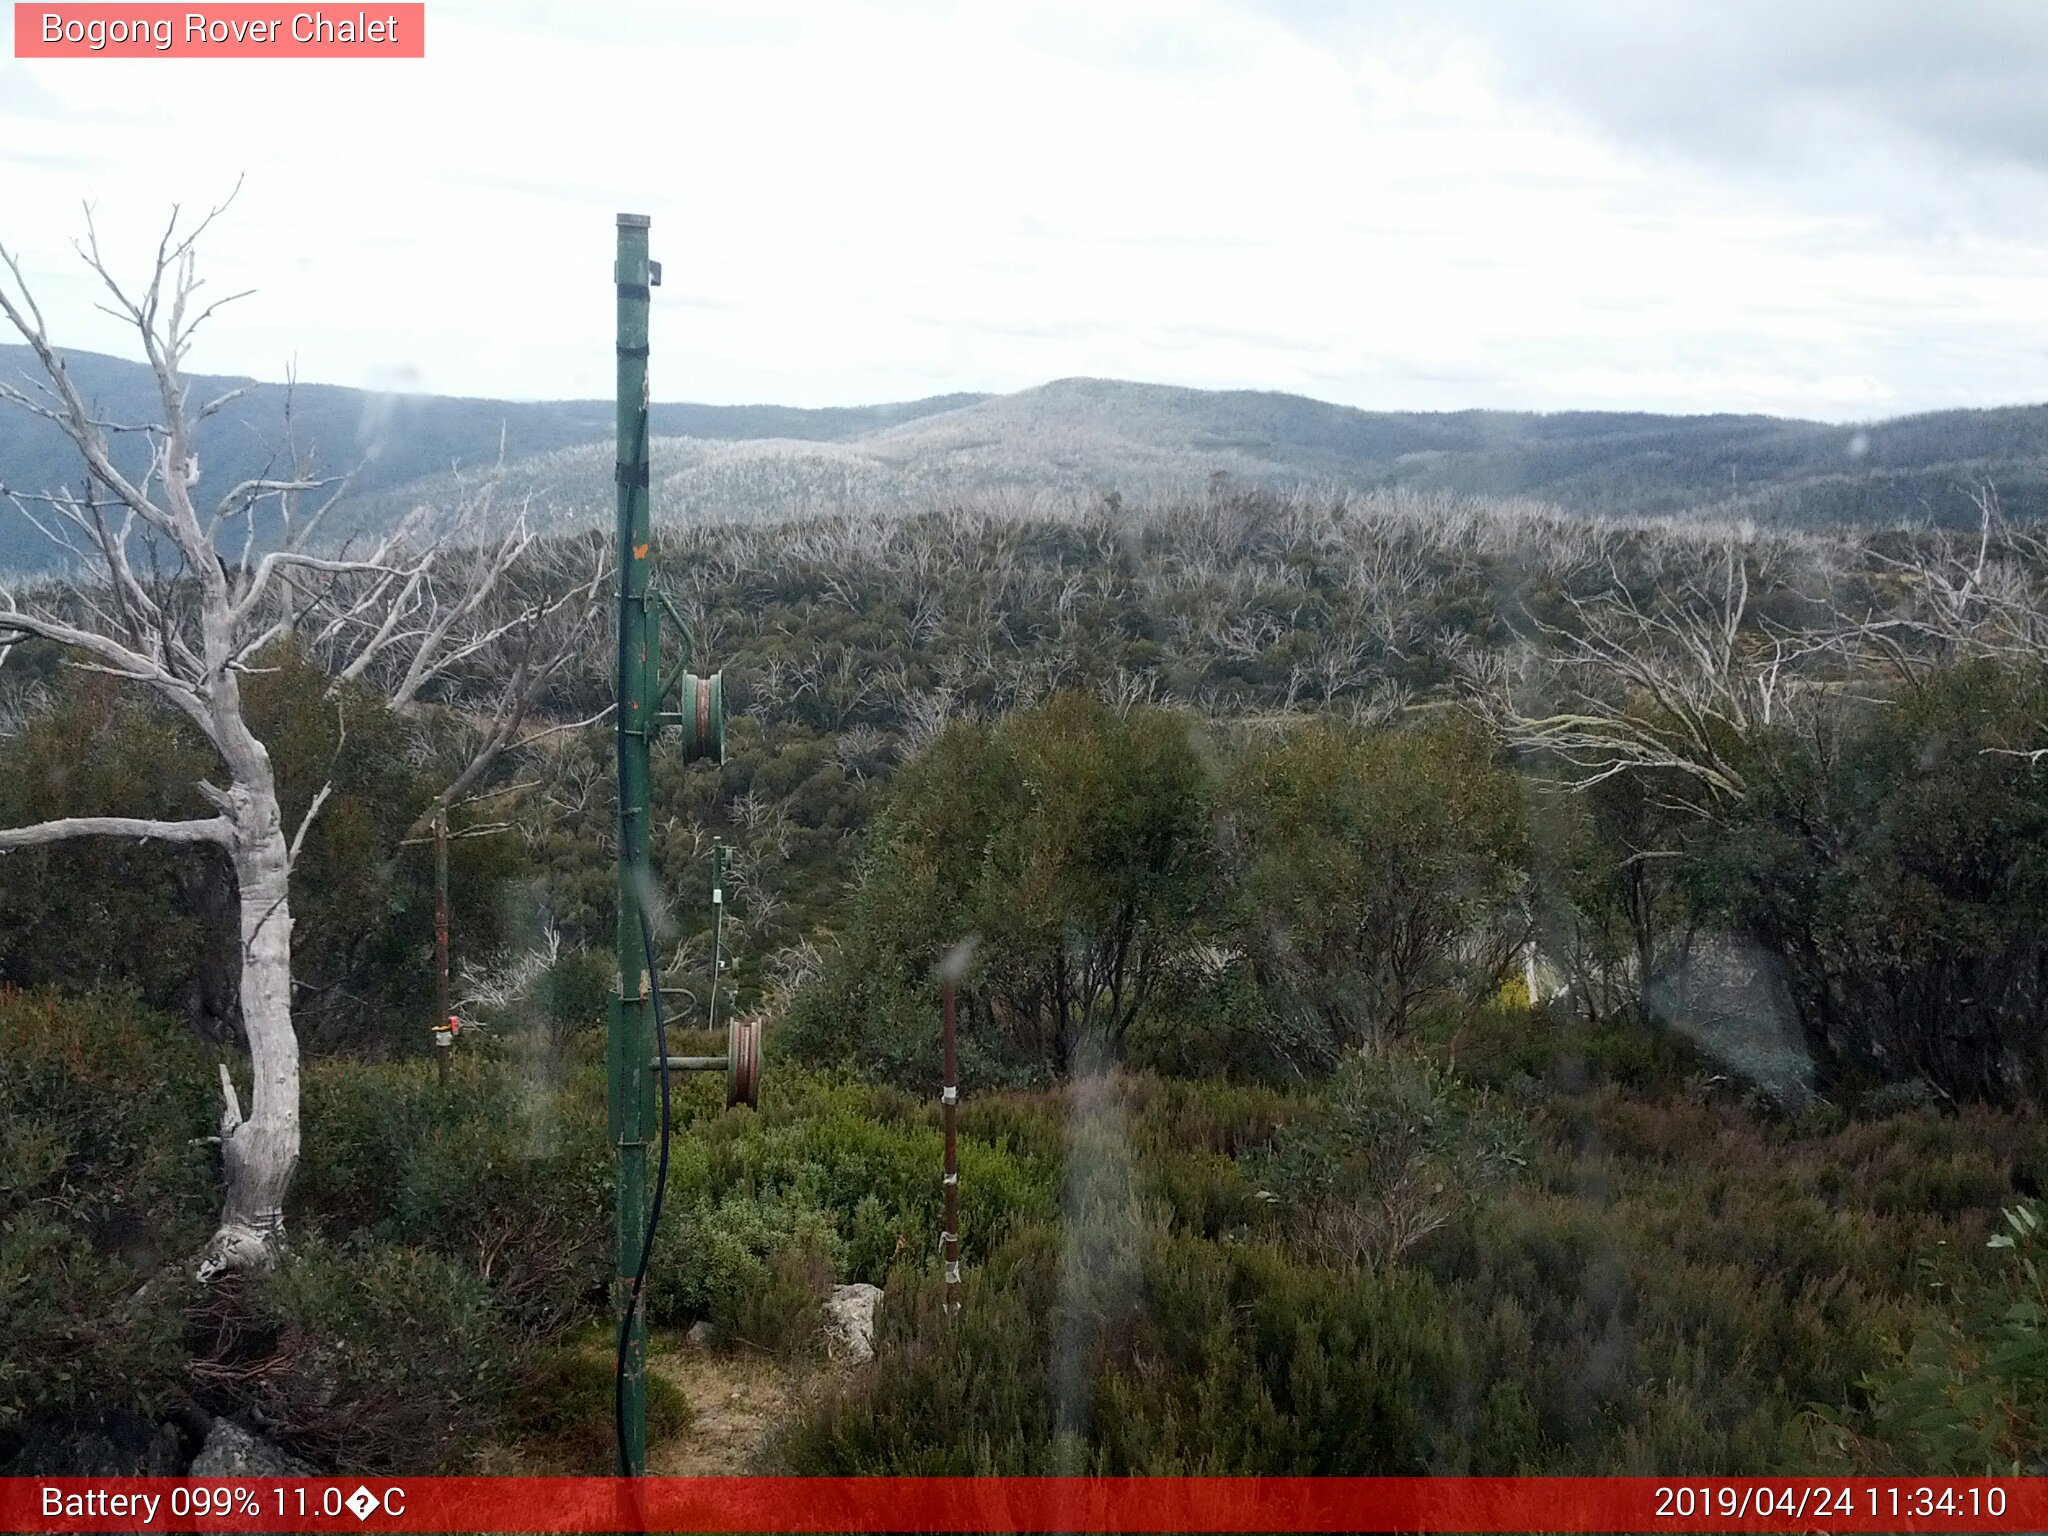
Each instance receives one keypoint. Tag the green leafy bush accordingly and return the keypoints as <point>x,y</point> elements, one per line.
<point>103,1194</point>
<point>1213,1358</point>
<point>1073,844</point>
<point>104,1104</point>
<point>113,913</point>
<point>1380,871</point>
<point>506,1174</point>
<point>833,1179</point>
<point>161,919</point>
<point>76,1340</point>
<point>577,989</point>
<point>362,1354</point>
<point>1894,864</point>
<point>1969,1393</point>
<point>871,1160</point>
<point>565,1397</point>
<point>1398,1148</point>
<point>757,1266</point>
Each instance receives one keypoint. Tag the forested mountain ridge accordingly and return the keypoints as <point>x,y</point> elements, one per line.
<point>383,440</point>
<point>1069,442</point>
<point>1075,441</point>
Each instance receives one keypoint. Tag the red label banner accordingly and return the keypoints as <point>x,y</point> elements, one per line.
<point>1024,1504</point>
<point>230,31</point>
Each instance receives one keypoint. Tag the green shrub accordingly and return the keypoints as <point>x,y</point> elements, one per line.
<point>113,913</point>
<point>1397,1150</point>
<point>565,1396</point>
<point>947,1397</point>
<point>577,989</point>
<point>75,1339</point>
<point>1073,843</point>
<point>1215,1358</point>
<point>101,1105</point>
<point>103,1196</point>
<point>160,919</point>
<point>363,1355</point>
<point>1381,872</point>
<point>1893,863</point>
<point>508,1176</point>
<point>757,1266</point>
<point>872,1161</point>
<point>1968,1394</point>
<point>1664,1284</point>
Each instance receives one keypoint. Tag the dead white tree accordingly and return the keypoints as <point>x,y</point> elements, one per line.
<point>482,616</point>
<point>1674,685</point>
<point>1955,599</point>
<point>181,600</point>
<point>1978,598</point>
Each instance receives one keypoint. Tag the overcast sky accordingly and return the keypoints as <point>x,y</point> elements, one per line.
<point>1834,210</point>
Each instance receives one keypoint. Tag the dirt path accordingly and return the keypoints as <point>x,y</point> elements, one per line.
<point>739,1396</point>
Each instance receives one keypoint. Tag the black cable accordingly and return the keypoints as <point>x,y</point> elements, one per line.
<point>660,1189</point>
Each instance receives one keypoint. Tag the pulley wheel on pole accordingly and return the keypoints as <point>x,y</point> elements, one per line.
<point>743,1063</point>
<point>699,717</point>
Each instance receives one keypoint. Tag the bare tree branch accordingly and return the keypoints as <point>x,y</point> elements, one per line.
<point>211,829</point>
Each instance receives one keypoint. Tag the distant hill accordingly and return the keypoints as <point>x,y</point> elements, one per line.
<point>1077,440</point>
<point>1080,439</point>
<point>389,440</point>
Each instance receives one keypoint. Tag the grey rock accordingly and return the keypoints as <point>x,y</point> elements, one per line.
<point>850,1322</point>
<point>701,1334</point>
<point>231,1451</point>
<point>1732,998</point>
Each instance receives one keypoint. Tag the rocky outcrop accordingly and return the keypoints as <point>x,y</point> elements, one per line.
<point>231,1451</point>
<point>850,1322</point>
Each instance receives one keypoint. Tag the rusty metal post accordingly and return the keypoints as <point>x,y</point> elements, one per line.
<point>442,1018</point>
<point>949,1097</point>
<point>717,926</point>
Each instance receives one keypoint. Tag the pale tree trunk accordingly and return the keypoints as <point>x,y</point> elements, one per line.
<point>260,1152</point>
<point>187,632</point>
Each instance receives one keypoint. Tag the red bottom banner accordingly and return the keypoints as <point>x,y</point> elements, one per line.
<point>1024,1504</point>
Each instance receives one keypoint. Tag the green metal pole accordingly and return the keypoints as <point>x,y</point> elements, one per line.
<point>631,1041</point>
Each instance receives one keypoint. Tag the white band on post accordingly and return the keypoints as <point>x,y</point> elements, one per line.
<point>949,1096</point>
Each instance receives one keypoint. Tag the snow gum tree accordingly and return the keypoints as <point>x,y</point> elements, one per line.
<point>180,595</point>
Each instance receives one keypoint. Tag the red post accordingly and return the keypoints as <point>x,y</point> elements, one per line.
<point>442,1020</point>
<point>950,1099</point>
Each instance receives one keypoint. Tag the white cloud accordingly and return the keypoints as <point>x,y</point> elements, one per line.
<point>860,201</point>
